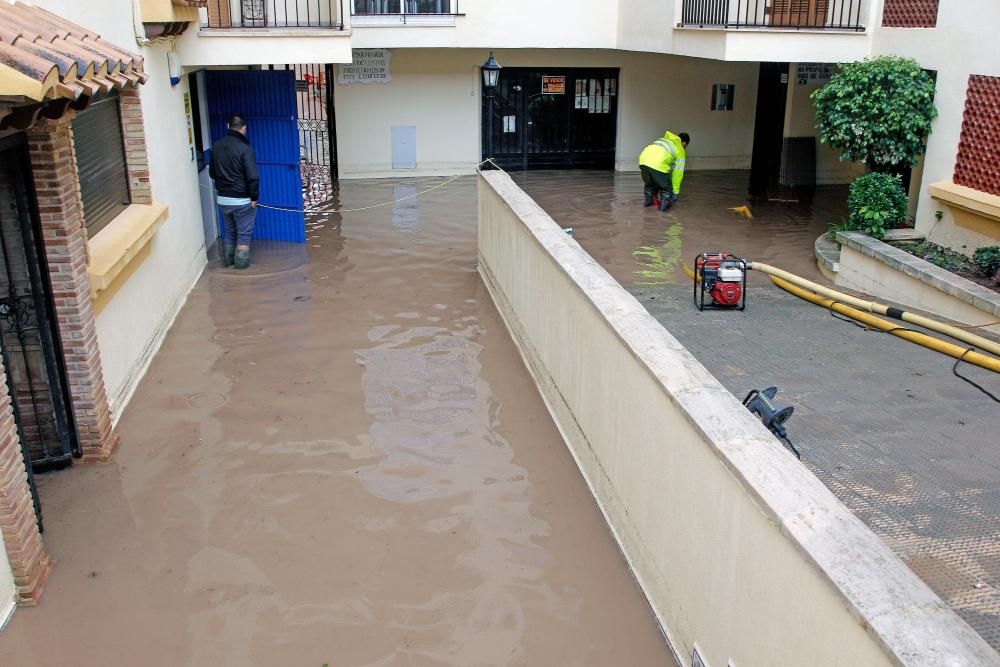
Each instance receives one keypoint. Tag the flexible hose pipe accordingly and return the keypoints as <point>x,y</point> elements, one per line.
<point>952,350</point>
<point>872,307</point>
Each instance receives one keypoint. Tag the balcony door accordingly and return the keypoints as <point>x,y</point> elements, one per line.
<point>799,13</point>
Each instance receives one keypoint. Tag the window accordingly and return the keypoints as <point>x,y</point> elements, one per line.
<point>100,161</point>
<point>384,7</point>
<point>722,96</point>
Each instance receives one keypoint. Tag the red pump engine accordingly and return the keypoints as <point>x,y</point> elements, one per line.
<point>722,277</point>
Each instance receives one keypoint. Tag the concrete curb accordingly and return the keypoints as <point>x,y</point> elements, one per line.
<point>967,291</point>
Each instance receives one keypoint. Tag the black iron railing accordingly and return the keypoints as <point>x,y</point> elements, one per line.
<point>404,7</point>
<point>275,14</point>
<point>779,14</point>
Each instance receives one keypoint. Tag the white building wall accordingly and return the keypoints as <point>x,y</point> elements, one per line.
<point>962,44</point>
<point>131,326</point>
<point>438,91</point>
<point>8,592</point>
<point>800,121</point>
<point>509,24</point>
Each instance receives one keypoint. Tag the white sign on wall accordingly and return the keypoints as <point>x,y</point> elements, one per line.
<point>367,66</point>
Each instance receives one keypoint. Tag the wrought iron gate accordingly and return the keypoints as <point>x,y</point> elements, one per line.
<point>317,134</point>
<point>552,119</point>
<point>29,342</point>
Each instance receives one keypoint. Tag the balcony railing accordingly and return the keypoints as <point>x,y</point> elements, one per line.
<point>262,14</point>
<point>778,14</point>
<point>404,7</point>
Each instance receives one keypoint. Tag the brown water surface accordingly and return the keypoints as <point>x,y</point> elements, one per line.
<point>646,247</point>
<point>338,458</point>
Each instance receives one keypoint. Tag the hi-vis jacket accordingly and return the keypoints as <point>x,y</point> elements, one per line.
<point>666,155</point>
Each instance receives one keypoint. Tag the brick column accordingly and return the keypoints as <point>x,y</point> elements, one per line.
<point>136,160</point>
<point>64,235</point>
<point>29,561</point>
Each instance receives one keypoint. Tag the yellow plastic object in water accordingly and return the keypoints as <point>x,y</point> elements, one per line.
<point>743,210</point>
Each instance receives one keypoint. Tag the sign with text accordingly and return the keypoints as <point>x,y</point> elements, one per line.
<point>813,73</point>
<point>367,66</point>
<point>553,85</point>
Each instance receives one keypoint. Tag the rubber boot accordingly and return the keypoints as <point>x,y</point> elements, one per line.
<point>665,202</point>
<point>647,199</point>
<point>229,255</point>
<point>241,259</point>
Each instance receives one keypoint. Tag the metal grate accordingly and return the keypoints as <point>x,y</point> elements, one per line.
<point>798,162</point>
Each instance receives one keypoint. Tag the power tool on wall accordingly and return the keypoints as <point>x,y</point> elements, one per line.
<point>772,415</point>
<point>720,281</point>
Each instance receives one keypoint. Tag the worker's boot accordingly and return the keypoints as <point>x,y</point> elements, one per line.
<point>229,255</point>
<point>648,198</point>
<point>241,260</point>
<point>666,201</point>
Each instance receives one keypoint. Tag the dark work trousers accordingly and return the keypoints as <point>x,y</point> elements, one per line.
<point>655,182</point>
<point>238,224</point>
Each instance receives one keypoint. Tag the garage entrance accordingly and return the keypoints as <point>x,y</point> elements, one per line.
<point>552,119</point>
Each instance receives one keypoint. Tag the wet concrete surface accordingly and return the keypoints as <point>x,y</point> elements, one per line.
<point>644,246</point>
<point>909,447</point>
<point>337,458</point>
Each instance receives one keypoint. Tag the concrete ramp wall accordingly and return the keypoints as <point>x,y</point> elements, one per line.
<point>743,554</point>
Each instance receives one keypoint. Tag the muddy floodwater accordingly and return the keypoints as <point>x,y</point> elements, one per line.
<point>338,457</point>
<point>642,246</point>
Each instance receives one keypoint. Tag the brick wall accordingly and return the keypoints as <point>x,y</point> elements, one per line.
<point>134,135</point>
<point>64,235</point>
<point>29,561</point>
<point>910,13</point>
<point>978,163</point>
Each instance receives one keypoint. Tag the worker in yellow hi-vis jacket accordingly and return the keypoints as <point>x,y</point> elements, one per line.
<point>662,167</point>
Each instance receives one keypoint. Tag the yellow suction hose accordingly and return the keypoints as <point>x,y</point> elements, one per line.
<point>952,350</point>
<point>872,307</point>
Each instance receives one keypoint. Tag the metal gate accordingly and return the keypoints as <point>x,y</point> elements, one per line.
<point>267,100</point>
<point>552,119</point>
<point>317,134</point>
<point>29,341</point>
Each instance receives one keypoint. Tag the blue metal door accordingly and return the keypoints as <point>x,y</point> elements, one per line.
<point>266,98</point>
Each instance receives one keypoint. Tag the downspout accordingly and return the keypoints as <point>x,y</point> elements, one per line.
<point>137,26</point>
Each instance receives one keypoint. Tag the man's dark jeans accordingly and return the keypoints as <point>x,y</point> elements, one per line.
<point>238,224</point>
<point>656,182</point>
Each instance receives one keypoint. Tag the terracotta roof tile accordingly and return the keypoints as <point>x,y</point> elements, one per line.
<point>44,56</point>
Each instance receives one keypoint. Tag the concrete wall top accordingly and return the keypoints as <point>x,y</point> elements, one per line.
<point>908,623</point>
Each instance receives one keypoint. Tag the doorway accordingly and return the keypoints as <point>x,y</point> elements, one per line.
<point>558,118</point>
<point>267,100</point>
<point>29,339</point>
<point>769,130</point>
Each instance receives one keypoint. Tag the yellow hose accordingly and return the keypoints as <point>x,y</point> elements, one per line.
<point>950,349</point>
<point>872,307</point>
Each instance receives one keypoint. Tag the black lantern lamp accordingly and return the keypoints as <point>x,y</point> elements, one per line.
<point>491,74</point>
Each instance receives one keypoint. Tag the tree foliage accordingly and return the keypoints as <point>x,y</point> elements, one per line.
<point>877,111</point>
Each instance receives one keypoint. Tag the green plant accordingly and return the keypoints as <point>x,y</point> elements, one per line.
<point>987,260</point>
<point>844,225</point>
<point>876,203</point>
<point>877,111</point>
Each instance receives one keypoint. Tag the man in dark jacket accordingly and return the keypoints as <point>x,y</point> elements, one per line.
<point>237,187</point>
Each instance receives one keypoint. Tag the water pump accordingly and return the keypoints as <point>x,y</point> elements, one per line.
<point>720,281</point>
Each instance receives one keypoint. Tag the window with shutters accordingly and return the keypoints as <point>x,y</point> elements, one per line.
<point>100,161</point>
